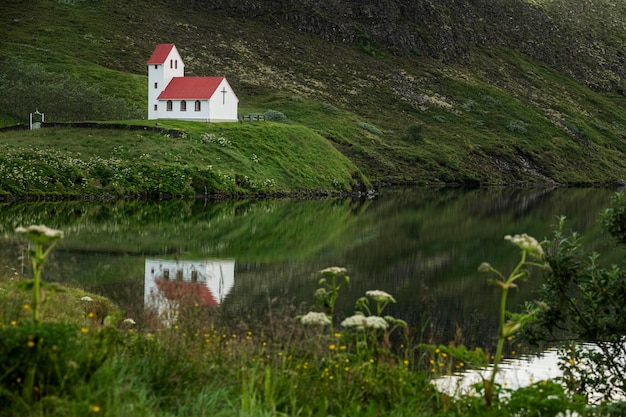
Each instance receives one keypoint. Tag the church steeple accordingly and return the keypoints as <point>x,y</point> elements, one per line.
<point>164,64</point>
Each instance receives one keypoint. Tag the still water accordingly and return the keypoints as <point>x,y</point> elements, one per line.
<point>421,245</point>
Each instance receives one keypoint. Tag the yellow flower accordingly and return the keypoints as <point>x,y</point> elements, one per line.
<point>30,344</point>
<point>406,362</point>
<point>13,323</point>
<point>26,307</point>
<point>96,408</point>
<point>337,335</point>
<point>84,330</point>
<point>332,347</point>
<point>90,315</point>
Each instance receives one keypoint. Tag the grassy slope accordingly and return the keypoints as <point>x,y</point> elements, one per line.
<point>262,157</point>
<point>500,118</point>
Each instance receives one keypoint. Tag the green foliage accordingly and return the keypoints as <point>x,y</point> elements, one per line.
<point>48,360</point>
<point>542,399</point>
<point>585,303</point>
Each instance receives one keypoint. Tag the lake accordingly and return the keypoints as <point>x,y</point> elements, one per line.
<point>421,245</point>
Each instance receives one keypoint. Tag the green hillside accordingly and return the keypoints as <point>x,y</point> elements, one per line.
<point>410,92</point>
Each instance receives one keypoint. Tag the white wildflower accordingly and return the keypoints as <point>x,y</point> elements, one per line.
<point>376,322</point>
<point>527,243</point>
<point>87,299</point>
<point>333,270</point>
<point>129,321</point>
<point>315,319</point>
<point>380,296</point>
<point>358,320</point>
<point>40,234</point>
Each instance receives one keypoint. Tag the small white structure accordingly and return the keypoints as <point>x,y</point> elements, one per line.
<point>36,121</point>
<point>167,283</point>
<point>171,95</point>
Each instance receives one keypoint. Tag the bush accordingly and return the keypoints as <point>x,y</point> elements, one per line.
<point>275,116</point>
<point>517,126</point>
<point>330,108</point>
<point>586,303</point>
<point>414,133</point>
<point>370,128</point>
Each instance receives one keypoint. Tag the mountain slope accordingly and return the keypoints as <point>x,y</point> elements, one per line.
<point>448,91</point>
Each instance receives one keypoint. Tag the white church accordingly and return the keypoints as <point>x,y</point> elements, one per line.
<point>171,95</point>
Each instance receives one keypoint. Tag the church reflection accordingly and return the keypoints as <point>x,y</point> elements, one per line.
<point>167,283</point>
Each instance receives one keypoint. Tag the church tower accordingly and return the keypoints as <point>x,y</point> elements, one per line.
<point>164,64</point>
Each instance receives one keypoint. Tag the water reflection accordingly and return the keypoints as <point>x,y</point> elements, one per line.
<point>169,282</point>
<point>421,245</point>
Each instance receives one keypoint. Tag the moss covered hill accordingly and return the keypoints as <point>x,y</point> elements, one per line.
<point>483,91</point>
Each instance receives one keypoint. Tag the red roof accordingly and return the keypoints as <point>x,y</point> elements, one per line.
<point>187,291</point>
<point>191,88</point>
<point>160,53</point>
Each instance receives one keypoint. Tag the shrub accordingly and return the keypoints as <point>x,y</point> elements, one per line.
<point>370,128</point>
<point>329,108</point>
<point>414,133</point>
<point>517,126</point>
<point>275,116</point>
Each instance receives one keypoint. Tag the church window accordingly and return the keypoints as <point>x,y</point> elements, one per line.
<point>169,105</point>
<point>156,107</point>
<point>156,85</point>
<point>183,105</point>
<point>197,105</point>
<point>176,64</point>
<point>156,66</point>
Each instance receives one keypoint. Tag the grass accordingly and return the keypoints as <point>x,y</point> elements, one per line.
<point>210,363</point>
<point>258,158</point>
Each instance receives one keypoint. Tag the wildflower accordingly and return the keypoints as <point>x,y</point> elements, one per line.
<point>129,321</point>
<point>84,330</point>
<point>40,234</point>
<point>86,299</point>
<point>380,296</point>
<point>90,315</point>
<point>30,344</point>
<point>485,267</point>
<point>527,243</point>
<point>376,322</point>
<point>332,347</point>
<point>26,307</point>
<point>358,321</point>
<point>95,408</point>
<point>13,323</point>
<point>315,319</point>
<point>333,270</point>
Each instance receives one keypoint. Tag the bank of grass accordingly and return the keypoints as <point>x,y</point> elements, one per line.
<point>254,158</point>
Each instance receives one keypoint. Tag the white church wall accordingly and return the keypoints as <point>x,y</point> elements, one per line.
<point>223,104</point>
